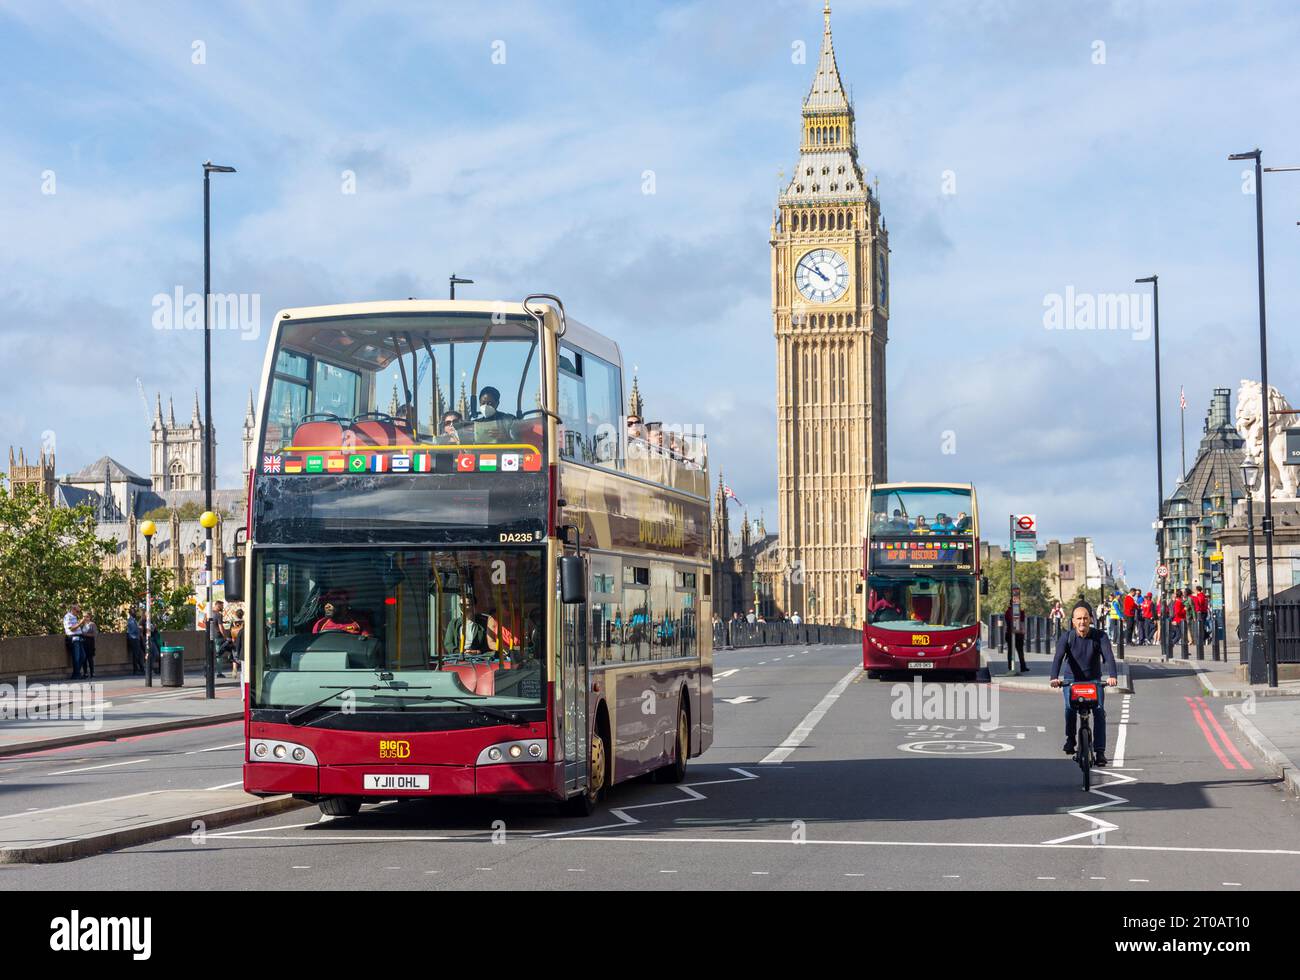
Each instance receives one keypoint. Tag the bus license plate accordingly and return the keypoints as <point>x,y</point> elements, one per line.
<point>920,664</point>
<point>389,781</point>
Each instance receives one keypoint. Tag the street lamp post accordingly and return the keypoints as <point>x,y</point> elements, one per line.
<point>1270,627</point>
<point>455,280</point>
<point>1166,648</point>
<point>148,529</point>
<point>209,168</point>
<point>1254,631</point>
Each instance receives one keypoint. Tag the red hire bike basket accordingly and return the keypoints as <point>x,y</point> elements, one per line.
<point>1083,695</point>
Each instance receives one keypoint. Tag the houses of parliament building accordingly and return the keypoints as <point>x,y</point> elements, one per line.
<point>830,309</point>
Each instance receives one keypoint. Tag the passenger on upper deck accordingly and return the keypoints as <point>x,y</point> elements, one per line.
<point>963,522</point>
<point>491,425</point>
<point>922,526</point>
<point>338,618</point>
<point>449,436</point>
<point>943,525</point>
<point>899,521</point>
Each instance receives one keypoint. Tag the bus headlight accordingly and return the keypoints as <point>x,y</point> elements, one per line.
<point>522,750</point>
<point>270,749</point>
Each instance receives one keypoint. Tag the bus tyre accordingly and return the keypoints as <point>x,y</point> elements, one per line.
<point>675,771</point>
<point>982,676</point>
<point>340,806</point>
<point>873,675</point>
<point>584,804</point>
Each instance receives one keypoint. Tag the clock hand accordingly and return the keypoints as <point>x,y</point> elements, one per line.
<point>822,274</point>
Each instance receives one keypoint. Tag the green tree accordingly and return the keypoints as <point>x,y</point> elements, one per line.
<point>49,557</point>
<point>1035,580</point>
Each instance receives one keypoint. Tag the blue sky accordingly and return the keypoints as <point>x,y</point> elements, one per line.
<point>527,176</point>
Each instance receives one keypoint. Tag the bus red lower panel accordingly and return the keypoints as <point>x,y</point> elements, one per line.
<point>497,780</point>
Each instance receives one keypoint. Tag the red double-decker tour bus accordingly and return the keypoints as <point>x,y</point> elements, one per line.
<point>921,563</point>
<point>466,572</point>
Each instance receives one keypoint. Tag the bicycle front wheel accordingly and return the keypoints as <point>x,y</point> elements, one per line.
<point>1085,755</point>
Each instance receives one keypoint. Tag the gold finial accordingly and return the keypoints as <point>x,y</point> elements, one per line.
<point>826,12</point>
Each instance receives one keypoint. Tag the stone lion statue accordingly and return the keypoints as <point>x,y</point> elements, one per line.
<point>1250,425</point>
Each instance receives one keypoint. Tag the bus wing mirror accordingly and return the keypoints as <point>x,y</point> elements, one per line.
<point>984,585</point>
<point>233,574</point>
<point>573,580</point>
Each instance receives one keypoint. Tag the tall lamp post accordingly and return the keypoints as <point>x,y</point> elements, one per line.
<point>148,529</point>
<point>454,280</point>
<point>1254,630</point>
<point>1166,649</point>
<point>209,168</point>
<point>1270,627</point>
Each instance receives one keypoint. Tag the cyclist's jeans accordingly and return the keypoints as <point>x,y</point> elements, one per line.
<point>1098,718</point>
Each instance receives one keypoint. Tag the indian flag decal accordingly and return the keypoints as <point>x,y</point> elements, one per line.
<point>487,461</point>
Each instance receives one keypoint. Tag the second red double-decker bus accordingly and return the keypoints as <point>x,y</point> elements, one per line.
<point>466,574</point>
<point>923,579</point>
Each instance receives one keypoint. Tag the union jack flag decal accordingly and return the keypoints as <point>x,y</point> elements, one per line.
<point>271,463</point>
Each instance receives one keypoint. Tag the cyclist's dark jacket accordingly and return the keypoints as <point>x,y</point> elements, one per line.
<point>1087,653</point>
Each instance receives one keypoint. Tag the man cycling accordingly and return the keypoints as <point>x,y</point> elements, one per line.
<point>1084,650</point>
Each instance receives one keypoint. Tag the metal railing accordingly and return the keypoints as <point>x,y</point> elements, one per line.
<point>745,634</point>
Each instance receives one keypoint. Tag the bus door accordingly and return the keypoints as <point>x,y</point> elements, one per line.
<point>575,681</point>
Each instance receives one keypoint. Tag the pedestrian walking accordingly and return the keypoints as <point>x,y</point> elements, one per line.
<point>134,646</point>
<point>1056,615</point>
<point>1201,606</point>
<point>1178,622</point>
<point>1148,619</point>
<point>223,644</point>
<point>1015,637</point>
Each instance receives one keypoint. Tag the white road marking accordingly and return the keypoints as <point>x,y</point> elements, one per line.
<point>726,673</point>
<point>1233,884</point>
<point>107,765</point>
<point>760,872</point>
<point>1121,740</point>
<point>1262,852</point>
<point>952,876</point>
<point>739,699</point>
<point>237,782</point>
<point>1044,878</point>
<point>805,727</point>
<point>216,748</point>
<point>1139,881</point>
<point>1099,826</point>
<point>627,820</point>
<point>302,867</point>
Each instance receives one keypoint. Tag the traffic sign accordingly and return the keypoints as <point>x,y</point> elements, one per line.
<point>1162,571</point>
<point>1026,522</point>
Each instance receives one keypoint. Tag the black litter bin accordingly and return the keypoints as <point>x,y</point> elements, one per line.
<point>173,666</point>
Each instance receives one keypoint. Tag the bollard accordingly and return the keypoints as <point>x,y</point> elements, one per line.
<point>1119,647</point>
<point>1200,637</point>
<point>1182,639</point>
<point>1214,625</point>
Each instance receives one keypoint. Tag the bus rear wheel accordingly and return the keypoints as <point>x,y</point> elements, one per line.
<point>340,806</point>
<point>675,771</point>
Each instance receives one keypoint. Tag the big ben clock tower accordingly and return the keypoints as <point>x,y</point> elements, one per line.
<point>830,304</point>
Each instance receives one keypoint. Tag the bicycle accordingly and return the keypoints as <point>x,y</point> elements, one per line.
<point>1083,698</point>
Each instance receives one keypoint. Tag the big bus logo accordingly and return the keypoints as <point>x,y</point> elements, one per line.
<point>393,748</point>
<point>920,639</point>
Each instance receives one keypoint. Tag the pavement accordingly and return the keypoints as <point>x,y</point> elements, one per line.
<point>817,778</point>
<point>1039,676</point>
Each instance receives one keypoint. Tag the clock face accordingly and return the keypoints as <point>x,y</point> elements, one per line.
<point>822,275</point>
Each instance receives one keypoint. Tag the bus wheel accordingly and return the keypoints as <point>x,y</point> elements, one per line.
<point>340,806</point>
<point>675,771</point>
<point>584,804</point>
<point>873,675</point>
